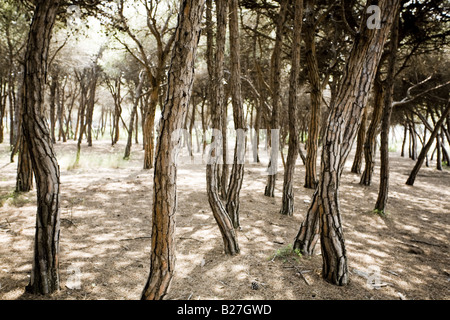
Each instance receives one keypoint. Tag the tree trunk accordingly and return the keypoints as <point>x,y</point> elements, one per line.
<point>45,272</point>
<point>405,132</point>
<point>386,121</point>
<point>137,96</point>
<point>315,97</point>
<point>343,122</point>
<point>150,128</point>
<point>287,206</point>
<point>220,214</point>
<point>91,103</point>
<point>54,84</point>
<point>370,142</point>
<point>180,79</point>
<point>439,153</point>
<point>237,171</point>
<point>426,148</point>
<point>276,97</point>
<point>24,180</point>
<point>357,162</point>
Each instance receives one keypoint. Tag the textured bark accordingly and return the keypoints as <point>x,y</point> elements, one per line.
<point>237,170</point>
<point>220,214</point>
<point>45,272</point>
<point>287,205</point>
<point>24,180</point>
<point>315,97</point>
<point>180,79</point>
<point>383,191</point>
<point>370,142</point>
<point>343,122</point>
<point>276,94</point>
<point>150,128</point>
<point>357,161</point>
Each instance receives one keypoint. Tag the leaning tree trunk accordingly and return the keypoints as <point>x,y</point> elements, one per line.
<point>180,79</point>
<point>426,148</point>
<point>220,214</point>
<point>287,206</point>
<point>357,161</point>
<point>343,123</point>
<point>237,170</point>
<point>276,98</point>
<point>45,272</point>
<point>370,142</point>
<point>383,192</point>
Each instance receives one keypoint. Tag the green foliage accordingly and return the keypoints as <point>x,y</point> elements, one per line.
<point>16,199</point>
<point>286,253</point>
<point>381,213</point>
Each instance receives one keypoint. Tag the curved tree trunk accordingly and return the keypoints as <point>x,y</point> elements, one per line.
<point>287,206</point>
<point>237,170</point>
<point>45,272</point>
<point>370,142</point>
<point>343,123</point>
<point>220,214</point>
<point>386,121</point>
<point>180,79</point>
<point>276,97</point>
<point>426,148</point>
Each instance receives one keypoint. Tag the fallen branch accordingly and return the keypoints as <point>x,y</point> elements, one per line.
<point>138,238</point>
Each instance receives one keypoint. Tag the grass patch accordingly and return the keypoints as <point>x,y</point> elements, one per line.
<point>113,160</point>
<point>381,213</point>
<point>16,199</point>
<point>286,253</point>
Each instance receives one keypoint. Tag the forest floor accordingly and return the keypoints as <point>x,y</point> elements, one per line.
<point>106,226</point>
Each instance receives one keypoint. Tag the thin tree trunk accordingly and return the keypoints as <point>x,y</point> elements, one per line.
<point>237,171</point>
<point>370,142</point>
<point>383,192</point>
<point>137,96</point>
<point>220,214</point>
<point>315,97</point>
<point>357,162</point>
<point>276,97</point>
<point>54,84</point>
<point>287,205</point>
<point>426,148</point>
<point>91,103</point>
<point>180,79</point>
<point>405,132</point>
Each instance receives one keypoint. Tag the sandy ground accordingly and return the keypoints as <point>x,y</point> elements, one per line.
<point>106,225</point>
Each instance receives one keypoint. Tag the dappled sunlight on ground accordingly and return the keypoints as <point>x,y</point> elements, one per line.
<point>106,215</point>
